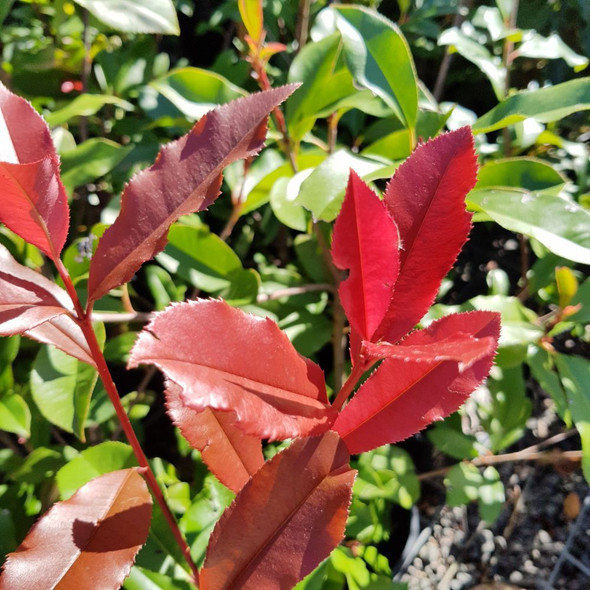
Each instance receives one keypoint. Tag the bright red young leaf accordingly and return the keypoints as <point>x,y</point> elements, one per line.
<point>231,455</point>
<point>185,178</point>
<point>426,198</point>
<point>403,396</point>
<point>226,359</point>
<point>285,521</point>
<point>365,241</point>
<point>34,202</point>
<point>88,541</point>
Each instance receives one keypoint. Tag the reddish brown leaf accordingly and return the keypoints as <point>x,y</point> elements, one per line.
<point>34,306</point>
<point>88,541</point>
<point>285,521</point>
<point>185,178</point>
<point>365,241</point>
<point>228,360</point>
<point>426,198</point>
<point>231,455</point>
<point>402,397</point>
<point>34,203</point>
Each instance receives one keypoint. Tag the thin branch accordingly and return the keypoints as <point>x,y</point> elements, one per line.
<point>302,26</point>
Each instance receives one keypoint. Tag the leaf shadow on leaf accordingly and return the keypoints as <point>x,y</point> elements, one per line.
<point>114,533</point>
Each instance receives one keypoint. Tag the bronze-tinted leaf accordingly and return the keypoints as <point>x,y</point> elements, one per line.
<point>228,360</point>
<point>88,541</point>
<point>231,455</point>
<point>34,202</point>
<point>185,178</point>
<point>285,521</point>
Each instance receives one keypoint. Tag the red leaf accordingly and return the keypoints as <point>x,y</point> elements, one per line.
<point>185,178</point>
<point>34,306</point>
<point>231,455</point>
<point>426,198</point>
<point>34,204</point>
<point>229,360</point>
<point>88,541</point>
<point>402,397</point>
<point>285,521</point>
<point>365,241</point>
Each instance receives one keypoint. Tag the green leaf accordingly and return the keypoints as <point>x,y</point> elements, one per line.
<point>465,483</point>
<point>448,437</point>
<point>552,47</point>
<point>5,9</point>
<point>307,331</point>
<point>325,82</point>
<point>38,466</point>
<point>543,371</point>
<point>387,472</point>
<point>545,105</point>
<point>130,16</point>
<point>476,53</point>
<point>199,257</point>
<point>84,105</point>
<point>379,58</point>
<point>195,91</point>
<point>322,192</point>
<point>283,200</point>
<point>90,160</point>
<point>526,173</point>
<point>15,415</point>
<point>143,579</point>
<point>563,227</point>
<point>92,462</point>
<point>61,387</point>
<point>582,298</point>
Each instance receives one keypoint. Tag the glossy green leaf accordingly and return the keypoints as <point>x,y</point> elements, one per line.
<point>85,105</point>
<point>143,579</point>
<point>283,200</point>
<point>38,466</point>
<point>90,160</point>
<point>195,91</point>
<point>449,438</point>
<point>307,331</point>
<point>322,192</point>
<point>582,298</point>
<point>465,483</point>
<point>326,81</point>
<point>15,415</point>
<point>552,47</point>
<point>61,387</point>
<point>379,58</point>
<point>545,105</point>
<point>526,173</point>
<point>574,371</point>
<point>92,462</point>
<point>147,16</point>
<point>476,53</point>
<point>563,227</point>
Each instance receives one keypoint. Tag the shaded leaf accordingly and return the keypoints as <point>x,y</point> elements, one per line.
<point>365,242</point>
<point>230,454</point>
<point>303,495</point>
<point>98,532</point>
<point>34,204</point>
<point>85,105</point>
<point>402,397</point>
<point>185,178</point>
<point>544,105</point>
<point>560,225</point>
<point>15,415</point>
<point>147,16</point>
<point>230,360</point>
<point>426,198</point>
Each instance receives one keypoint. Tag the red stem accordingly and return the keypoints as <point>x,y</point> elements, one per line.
<point>85,322</point>
<point>357,372</point>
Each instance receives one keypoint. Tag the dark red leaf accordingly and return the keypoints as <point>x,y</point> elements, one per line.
<point>365,241</point>
<point>426,198</point>
<point>402,397</point>
<point>88,541</point>
<point>185,178</point>
<point>285,521</point>
<point>34,203</point>
<point>231,455</point>
<point>228,360</point>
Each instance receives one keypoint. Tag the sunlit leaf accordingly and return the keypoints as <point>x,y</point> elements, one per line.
<point>98,532</point>
<point>286,519</point>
